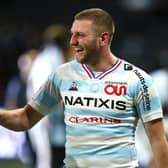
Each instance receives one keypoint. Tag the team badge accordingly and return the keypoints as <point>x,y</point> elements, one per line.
<point>73,86</point>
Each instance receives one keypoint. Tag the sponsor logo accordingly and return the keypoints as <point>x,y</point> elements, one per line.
<point>94,102</point>
<point>116,90</point>
<point>145,92</point>
<point>92,120</point>
<point>128,67</point>
<point>115,83</point>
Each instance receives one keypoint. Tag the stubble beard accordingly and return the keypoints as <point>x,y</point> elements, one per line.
<point>89,54</point>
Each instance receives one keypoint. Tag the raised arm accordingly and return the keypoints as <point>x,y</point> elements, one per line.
<point>19,119</point>
<point>156,135</point>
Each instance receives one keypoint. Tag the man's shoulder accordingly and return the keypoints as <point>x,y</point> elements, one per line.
<point>68,68</point>
<point>64,66</point>
<point>135,74</point>
<point>129,67</point>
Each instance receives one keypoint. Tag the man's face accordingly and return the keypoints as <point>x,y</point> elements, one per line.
<point>84,41</point>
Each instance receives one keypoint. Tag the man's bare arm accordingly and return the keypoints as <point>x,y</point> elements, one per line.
<point>19,119</point>
<point>156,134</point>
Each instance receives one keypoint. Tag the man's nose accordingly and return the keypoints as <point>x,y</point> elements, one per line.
<point>73,40</point>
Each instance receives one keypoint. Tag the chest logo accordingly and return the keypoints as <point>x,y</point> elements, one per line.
<point>115,90</point>
<point>73,86</point>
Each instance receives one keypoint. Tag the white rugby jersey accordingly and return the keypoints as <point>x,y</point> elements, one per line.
<point>101,111</point>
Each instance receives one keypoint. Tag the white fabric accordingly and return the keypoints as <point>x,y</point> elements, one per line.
<point>160,78</point>
<point>11,144</point>
<point>43,65</point>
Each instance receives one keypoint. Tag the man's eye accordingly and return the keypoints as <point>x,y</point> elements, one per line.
<point>81,34</point>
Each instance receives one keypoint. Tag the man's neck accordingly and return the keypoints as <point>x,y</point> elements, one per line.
<point>103,63</point>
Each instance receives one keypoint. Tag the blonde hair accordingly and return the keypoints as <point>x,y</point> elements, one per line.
<point>102,20</point>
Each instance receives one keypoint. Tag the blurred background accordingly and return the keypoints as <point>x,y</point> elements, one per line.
<point>141,37</point>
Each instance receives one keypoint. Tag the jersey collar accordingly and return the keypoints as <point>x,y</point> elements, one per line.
<point>100,76</point>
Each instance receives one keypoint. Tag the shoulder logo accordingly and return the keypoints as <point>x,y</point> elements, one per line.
<point>73,86</point>
<point>128,67</point>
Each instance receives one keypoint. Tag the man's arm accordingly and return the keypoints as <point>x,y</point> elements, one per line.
<point>19,119</point>
<point>156,135</point>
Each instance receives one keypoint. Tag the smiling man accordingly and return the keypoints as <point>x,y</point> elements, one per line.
<point>104,97</point>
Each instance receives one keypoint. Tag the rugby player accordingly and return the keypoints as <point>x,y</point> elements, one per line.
<point>104,97</point>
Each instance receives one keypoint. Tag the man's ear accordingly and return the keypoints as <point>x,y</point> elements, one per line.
<point>104,38</point>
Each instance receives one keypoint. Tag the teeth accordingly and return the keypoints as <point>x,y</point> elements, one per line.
<point>77,49</point>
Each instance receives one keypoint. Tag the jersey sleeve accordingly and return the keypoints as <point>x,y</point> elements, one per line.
<point>48,95</point>
<point>147,100</point>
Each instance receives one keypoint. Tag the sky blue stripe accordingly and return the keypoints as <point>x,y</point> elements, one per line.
<point>46,99</point>
<point>110,114</point>
<point>55,79</point>
<point>84,86</point>
<point>126,152</point>
<point>154,104</point>
<point>99,130</point>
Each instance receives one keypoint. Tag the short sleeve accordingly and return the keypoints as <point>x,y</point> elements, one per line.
<point>147,100</point>
<point>48,95</point>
